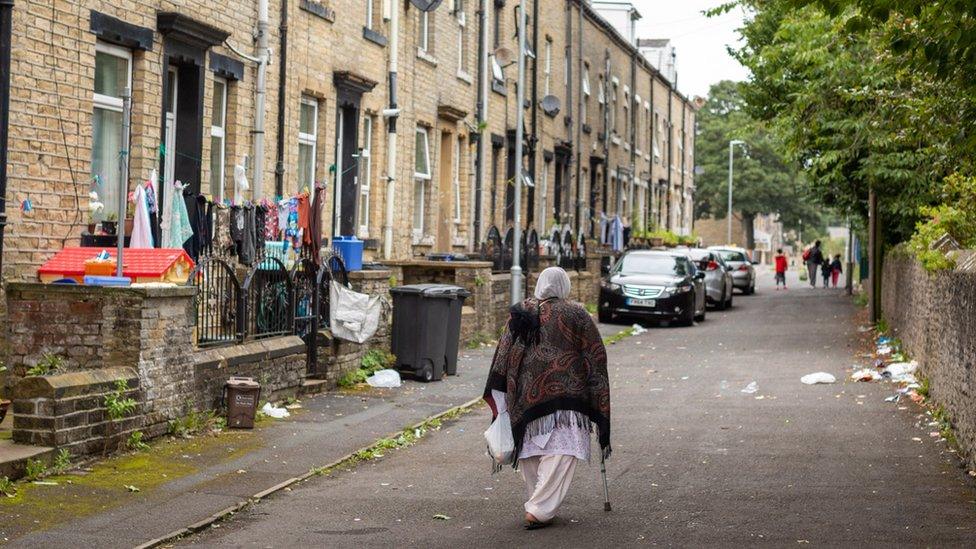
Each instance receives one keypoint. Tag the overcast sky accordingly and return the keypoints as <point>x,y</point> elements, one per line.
<point>700,41</point>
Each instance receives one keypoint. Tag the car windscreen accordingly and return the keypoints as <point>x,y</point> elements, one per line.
<point>653,264</point>
<point>698,255</point>
<point>730,255</point>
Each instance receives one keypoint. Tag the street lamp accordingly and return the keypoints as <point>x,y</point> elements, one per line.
<point>732,144</point>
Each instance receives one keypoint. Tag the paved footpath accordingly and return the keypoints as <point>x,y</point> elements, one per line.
<point>696,461</point>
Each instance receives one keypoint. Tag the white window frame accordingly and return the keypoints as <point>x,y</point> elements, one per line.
<point>422,180</point>
<point>310,139</point>
<point>109,103</point>
<point>424,27</point>
<point>585,87</point>
<point>366,177</point>
<point>220,132</point>
<point>462,22</point>
<point>544,197</point>
<point>457,181</point>
<point>547,67</point>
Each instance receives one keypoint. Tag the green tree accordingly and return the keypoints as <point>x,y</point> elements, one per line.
<point>763,181</point>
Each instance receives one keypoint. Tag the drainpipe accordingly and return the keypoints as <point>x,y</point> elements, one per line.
<point>633,109</point>
<point>533,137</point>
<point>481,117</point>
<point>667,224</point>
<point>282,74</point>
<point>607,105</point>
<point>6,25</point>
<point>264,54</point>
<point>393,113</point>
<point>516,284</point>
<point>579,124</point>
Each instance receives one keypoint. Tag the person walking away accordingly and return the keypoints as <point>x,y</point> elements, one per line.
<point>550,373</point>
<point>813,257</point>
<point>780,261</point>
<point>825,271</point>
<point>835,269</point>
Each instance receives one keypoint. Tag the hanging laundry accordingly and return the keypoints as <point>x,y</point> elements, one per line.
<point>260,212</point>
<point>176,228</point>
<point>315,228</point>
<point>141,228</point>
<point>303,218</point>
<point>222,238</point>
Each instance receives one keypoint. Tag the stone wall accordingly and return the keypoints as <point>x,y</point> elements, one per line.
<point>935,317</point>
<point>68,410</point>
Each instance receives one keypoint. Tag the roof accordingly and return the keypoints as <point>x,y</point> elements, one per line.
<point>653,42</point>
<point>138,262</point>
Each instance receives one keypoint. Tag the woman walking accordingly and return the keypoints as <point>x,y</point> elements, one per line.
<point>550,373</point>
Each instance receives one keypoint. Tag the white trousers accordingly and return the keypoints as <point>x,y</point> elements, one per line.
<point>547,480</point>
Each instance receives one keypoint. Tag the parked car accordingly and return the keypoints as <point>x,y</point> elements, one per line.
<point>653,285</point>
<point>718,277</point>
<point>743,272</point>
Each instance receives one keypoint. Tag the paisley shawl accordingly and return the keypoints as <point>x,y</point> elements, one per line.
<point>559,380</point>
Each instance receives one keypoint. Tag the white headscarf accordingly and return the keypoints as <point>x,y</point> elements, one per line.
<point>553,282</point>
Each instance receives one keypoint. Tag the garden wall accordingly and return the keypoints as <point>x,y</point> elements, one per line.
<point>935,318</point>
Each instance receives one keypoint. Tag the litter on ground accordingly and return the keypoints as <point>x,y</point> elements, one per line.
<point>384,378</point>
<point>271,410</point>
<point>865,374</point>
<point>751,388</point>
<point>818,377</point>
<point>638,329</point>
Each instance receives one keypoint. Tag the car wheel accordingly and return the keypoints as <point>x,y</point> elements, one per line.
<point>701,317</point>
<point>604,316</point>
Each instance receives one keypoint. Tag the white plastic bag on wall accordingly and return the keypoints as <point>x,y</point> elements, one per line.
<point>353,316</point>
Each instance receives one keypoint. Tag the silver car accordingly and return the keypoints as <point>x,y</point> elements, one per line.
<point>718,277</point>
<point>743,272</point>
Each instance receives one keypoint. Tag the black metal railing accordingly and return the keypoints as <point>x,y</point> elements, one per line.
<point>492,249</point>
<point>218,303</point>
<point>268,299</point>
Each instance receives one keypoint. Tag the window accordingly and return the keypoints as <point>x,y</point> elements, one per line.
<point>307,136</point>
<point>369,14</point>
<point>547,67</point>
<point>457,180</point>
<point>365,175</point>
<point>113,73</point>
<point>656,133</point>
<point>601,92</point>
<point>544,214</point>
<point>626,116</point>
<point>462,40</point>
<point>585,81</point>
<point>218,123</point>
<point>496,17</point>
<point>424,40</point>
<point>496,71</point>
<point>421,177</point>
<point>613,108</point>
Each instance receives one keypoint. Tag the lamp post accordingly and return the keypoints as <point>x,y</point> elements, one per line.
<point>519,131</point>
<point>732,145</point>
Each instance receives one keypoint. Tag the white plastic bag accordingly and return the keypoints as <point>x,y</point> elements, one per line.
<point>819,377</point>
<point>353,316</point>
<point>384,378</point>
<point>271,410</point>
<point>501,445</point>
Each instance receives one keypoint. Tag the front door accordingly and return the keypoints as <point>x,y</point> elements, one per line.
<point>445,193</point>
<point>347,170</point>
<point>169,139</point>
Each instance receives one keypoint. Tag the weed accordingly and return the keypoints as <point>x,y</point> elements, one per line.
<point>591,308</point>
<point>923,387</point>
<point>610,340</point>
<point>135,442</point>
<point>117,404</point>
<point>861,299</point>
<point>479,281</point>
<point>477,340</point>
<point>7,487</point>
<point>35,469</point>
<point>882,326</point>
<point>61,461</point>
<point>50,364</point>
<point>942,417</point>
<point>372,361</point>
<point>196,423</point>
<point>393,281</point>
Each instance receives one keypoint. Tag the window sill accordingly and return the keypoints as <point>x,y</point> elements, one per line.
<point>374,37</point>
<point>626,146</point>
<point>465,77</point>
<point>424,56</point>
<point>615,140</point>
<point>418,240</point>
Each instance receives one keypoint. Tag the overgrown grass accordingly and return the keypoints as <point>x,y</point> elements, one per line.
<point>861,299</point>
<point>591,308</point>
<point>882,326</point>
<point>194,423</point>
<point>373,361</point>
<point>49,365</point>
<point>478,339</point>
<point>35,469</point>
<point>61,462</point>
<point>611,339</point>
<point>408,437</point>
<point>7,487</point>
<point>942,417</point>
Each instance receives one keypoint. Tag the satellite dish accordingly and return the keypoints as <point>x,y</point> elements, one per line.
<point>502,55</point>
<point>426,5</point>
<point>550,105</point>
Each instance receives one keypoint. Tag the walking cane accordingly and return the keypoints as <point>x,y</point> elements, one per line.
<point>606,489</point>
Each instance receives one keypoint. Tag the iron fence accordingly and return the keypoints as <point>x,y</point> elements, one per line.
<point>218,303</point>
<point>268,299</point>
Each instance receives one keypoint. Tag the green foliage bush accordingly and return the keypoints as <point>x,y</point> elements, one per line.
<point>956,216</point>
<point>373,361</point>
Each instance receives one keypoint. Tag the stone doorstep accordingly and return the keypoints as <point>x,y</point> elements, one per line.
<point>13,457</point>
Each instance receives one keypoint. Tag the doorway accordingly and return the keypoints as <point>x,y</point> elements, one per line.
<point>169,132</point>
<point>447,181</point>
<point>347,170</point>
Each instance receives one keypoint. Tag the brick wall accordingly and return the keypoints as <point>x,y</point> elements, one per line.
<point>68,410</point>
<point>935,317</point>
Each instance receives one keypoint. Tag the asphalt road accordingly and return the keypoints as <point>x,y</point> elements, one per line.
<point>696,461</point>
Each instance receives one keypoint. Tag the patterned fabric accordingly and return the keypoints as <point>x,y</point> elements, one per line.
<point>562,441</point>
<point>561,381</point>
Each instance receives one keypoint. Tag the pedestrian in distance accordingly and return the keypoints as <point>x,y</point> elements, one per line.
<point>835,269</point>
<point>813,257</point>
<point>780,261</point>
<point>550,373</point>
<point>826,270</point>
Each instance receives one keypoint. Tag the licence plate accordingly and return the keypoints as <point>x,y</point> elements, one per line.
<point>641,302</point>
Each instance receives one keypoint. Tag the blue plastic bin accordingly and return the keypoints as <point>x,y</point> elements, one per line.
<point>350,249</point>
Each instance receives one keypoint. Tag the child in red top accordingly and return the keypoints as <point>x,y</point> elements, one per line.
<point>780,260</point>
